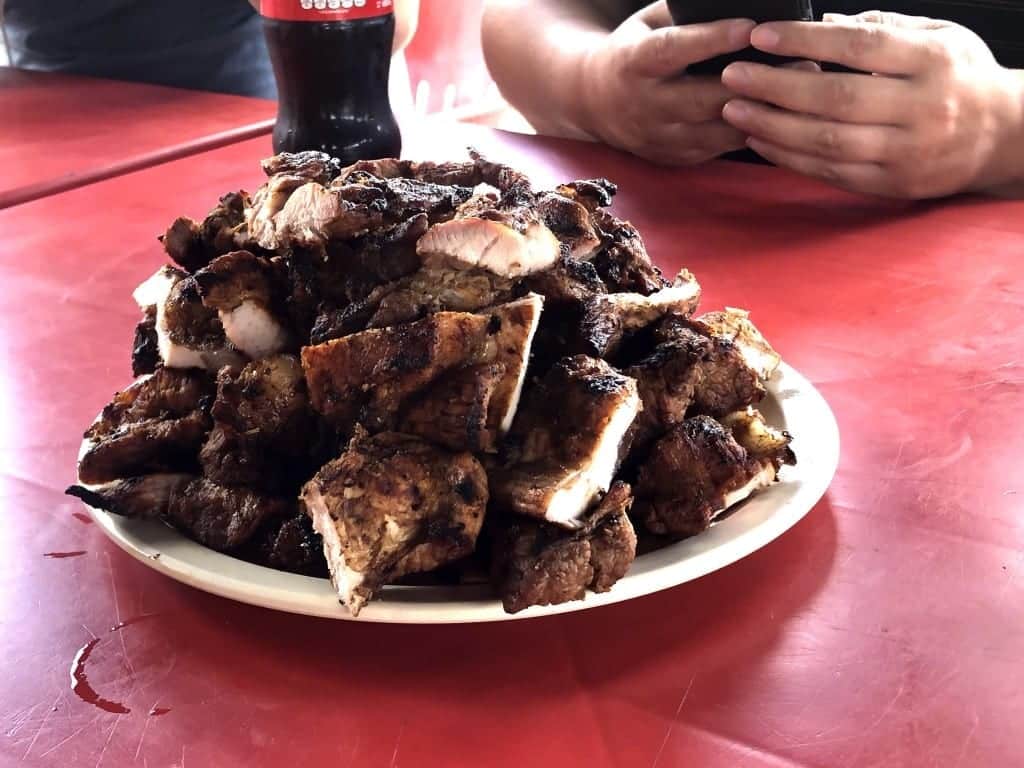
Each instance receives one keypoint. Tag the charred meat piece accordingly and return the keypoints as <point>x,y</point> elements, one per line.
<point>420,294</point>
<point>666,380</point>
<point>569,441</point>
<point>571,223</point>
<point>507,242</point>
<point>569,281</point>
<point>609,319</point>
<point>472,408</point>
<point>146,346</point>
<point>464,173</point>
<point>190,334</point>
<point>312,166</point>
<point>223,519</point>
<point>505,235</point>
<point>760,440</point>
<point>408,197</point>
<point>194,245</point>
<point>590,193</point>
<point>368,376</point>
<point>699,469</point>
<point>734,324</point>
<point>241,288</point>
<point>392,505</point>
<point>265,433</point>
<point>314,214</point>
<point>536,563</point>
<point>733,372</point>
<point>453,412</point>
<point>267,202</point>
<point>157,424</point>
<point>290,545</point>
<point>622,260</point>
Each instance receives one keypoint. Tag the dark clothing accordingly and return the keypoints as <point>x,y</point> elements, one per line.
<point>213,45</point>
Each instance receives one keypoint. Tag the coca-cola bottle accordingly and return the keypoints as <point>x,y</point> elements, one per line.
<point>331,60</point>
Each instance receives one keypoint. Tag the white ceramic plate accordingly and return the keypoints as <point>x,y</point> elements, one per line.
<point>792,404</point>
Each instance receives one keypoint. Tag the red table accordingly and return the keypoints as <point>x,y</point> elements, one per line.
<point>61,131</point>
<point>884,630</point>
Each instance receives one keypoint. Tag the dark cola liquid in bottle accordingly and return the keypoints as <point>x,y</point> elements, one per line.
<point>701,11</point>
<point>331,60</point>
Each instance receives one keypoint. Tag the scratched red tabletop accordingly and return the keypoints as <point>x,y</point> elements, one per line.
<point>60,131</point>
<point>885,629</point>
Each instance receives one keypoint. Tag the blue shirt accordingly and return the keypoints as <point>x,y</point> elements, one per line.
<point>213,45</point>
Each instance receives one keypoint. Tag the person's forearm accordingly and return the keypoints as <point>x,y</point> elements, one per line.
<point>535,52</point>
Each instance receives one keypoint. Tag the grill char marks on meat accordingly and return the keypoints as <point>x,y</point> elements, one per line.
<point>666,380</point>
<point>414,297</point>
<point>365,377</point>
<point>146,345</point>
<point>312,166</point>
<point>289,545</point>
<point>242,289</point>
<point>733,373</point>
<point>223,519</point>
<point>155,425</point>
<point>189,334</point>
<point>454,411</point>
<point>369,376</point>
<point>571,223</point>
<point>411,197</point>
<point>194,245</point>
<point>265,434</point>
<point>393,505</point>
<point>700,469</point>
<point>536,563</point>
<point>608,320</point>
<point>622,261</point>
<point>506,236</point>
<point>568,443</point>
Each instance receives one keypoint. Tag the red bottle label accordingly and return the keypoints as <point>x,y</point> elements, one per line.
<point>325,10</point>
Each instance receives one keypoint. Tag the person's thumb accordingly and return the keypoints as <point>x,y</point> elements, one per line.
<point>668,51</point>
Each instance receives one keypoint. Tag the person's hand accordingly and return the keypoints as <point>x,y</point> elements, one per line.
<point>635,96</point>
<point>934,113</point>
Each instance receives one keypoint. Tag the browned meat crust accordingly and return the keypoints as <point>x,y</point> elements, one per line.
<point>223,519</point>
<point>535,563</point>
<point>265,435</point>
<point>155,425</point>
<point>145,346</point>
<point>391,505</point>
<point>568,442</point>
<point>194,245</point>
<point>690,472</point>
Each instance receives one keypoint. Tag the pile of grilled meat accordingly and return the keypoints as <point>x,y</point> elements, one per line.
<point>399,368</point>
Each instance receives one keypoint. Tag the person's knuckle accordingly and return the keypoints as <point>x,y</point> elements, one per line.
<point>827,140</point>
<point>865,40</point>
<point>939,54</point>
<point>839,96</point>
<point>660,52</point>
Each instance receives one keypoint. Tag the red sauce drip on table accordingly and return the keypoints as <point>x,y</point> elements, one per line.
<point>80,683</point>
<point>76,553</point>
<point>157,711</point>
<point>82,517</point>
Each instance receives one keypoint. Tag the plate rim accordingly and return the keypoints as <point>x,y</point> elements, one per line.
<point>170,553</point>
